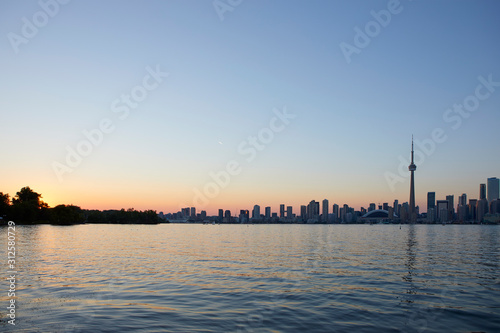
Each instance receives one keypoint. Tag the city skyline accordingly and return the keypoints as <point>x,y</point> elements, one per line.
<point>297,210</point>
<point>265,103</point>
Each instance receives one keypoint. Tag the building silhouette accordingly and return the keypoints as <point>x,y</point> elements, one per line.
<point>493,188</point>
<point>335,212</point>
<point>431,206</point>
<point>412,167</point>
<point>303,213</point>
<point>325,210</point>
<point>442,210</point>
<point>482,203</point>
<point>451,209</point>
<point>282,211</point>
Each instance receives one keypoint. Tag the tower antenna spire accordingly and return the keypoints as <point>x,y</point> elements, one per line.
<point>412,148</point>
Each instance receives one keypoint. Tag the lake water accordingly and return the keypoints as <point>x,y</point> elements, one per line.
<point>255,278</point>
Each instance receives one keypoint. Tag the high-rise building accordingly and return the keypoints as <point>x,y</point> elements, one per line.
<point>227,217</point>
<point>431,200</point>
<point>256,212</point>
<point>482,204</point>
<point>282,211</point>
<point>493,188</point>
<point>482,191</point>
<point>221,214</point>
<point>473,209</point>
<point>313,210</point>
<point>325,210</point>
<point>289,212</point>
<point>345,211</point>
<point>244,216</point>
<point>303,213</point>
<point>462,208</point>
<point>482,209</point>
<point>371,207</point>
<point>495,206</point>
<point>404,209</point>
<point>442,210</point>
<point>268,213</point>
<point>395,206</point>
<point>431,206</point>
<point>412,167</point>
<point>390,212</point>
<point>193,212</point>
<point>385,206</point>
<point>462,200</point>
<point>451,205</point>
<point>335,212</point>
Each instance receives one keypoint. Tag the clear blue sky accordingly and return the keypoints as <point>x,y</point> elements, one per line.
<point>353,119</point>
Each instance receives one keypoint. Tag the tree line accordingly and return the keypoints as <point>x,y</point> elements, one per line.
<point>27,207</point>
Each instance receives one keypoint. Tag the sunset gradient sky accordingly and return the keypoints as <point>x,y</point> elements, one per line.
<point>231,71</point>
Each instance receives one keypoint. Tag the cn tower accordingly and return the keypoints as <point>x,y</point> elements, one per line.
<point>412,167</point>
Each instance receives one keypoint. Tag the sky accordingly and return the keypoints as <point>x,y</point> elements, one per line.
<point>227,104</point>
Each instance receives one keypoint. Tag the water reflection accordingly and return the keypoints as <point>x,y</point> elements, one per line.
<point>262,277</point>
<point>410,263</point>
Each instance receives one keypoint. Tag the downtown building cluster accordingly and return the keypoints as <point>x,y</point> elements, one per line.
<point>485,209</point>
<point>312,213</point>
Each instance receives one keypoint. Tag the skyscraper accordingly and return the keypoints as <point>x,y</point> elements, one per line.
<point>256,212</point>
<point>431,200</point>
<point>244,216</point>
<point>313,210</point>
<point>482,191</point>
<point>462,200</point>
<point>431,206</point>
<point>335,212</point>
<point>451,207</point>
<point>442,210</point>
<point>303,213</point>
<point>493,188</point>
<point>473,209</point>
<point>462,208</point>
<point>282,211</point>
<point>325,210</point>
<point>412,167</point>
<point>268,213</point>
<point>482,207</point>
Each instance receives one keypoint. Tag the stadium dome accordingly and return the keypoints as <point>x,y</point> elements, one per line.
<point>377,214</point>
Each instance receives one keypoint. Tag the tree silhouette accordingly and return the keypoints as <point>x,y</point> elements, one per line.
<point>27,206</point>
<point>66,214</point>
<point>4,204</point>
